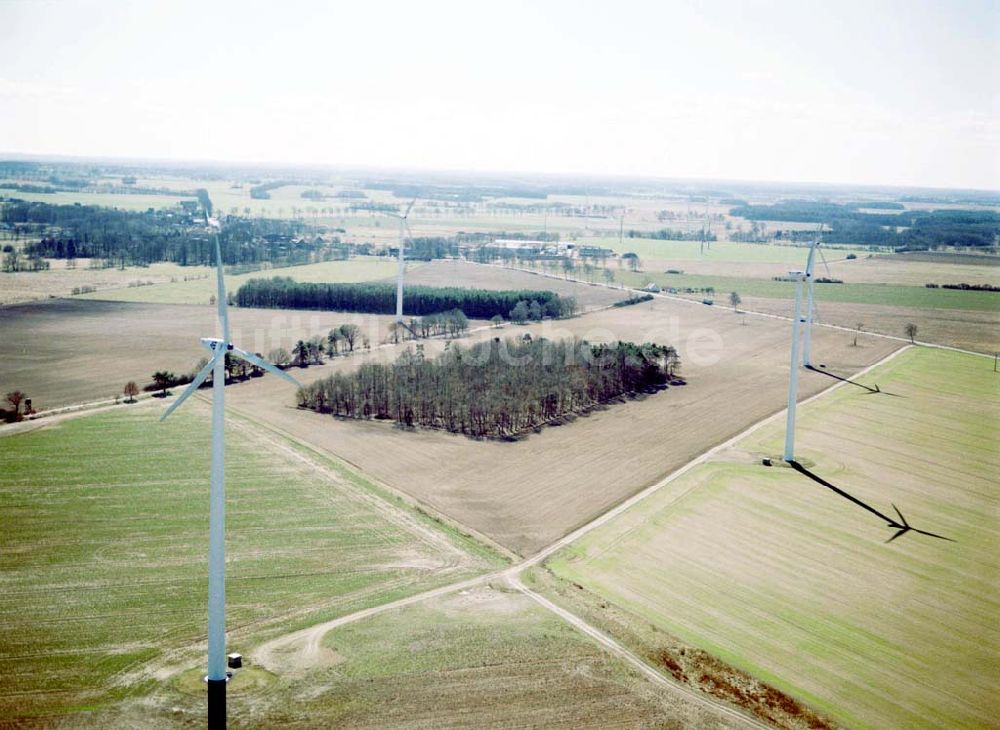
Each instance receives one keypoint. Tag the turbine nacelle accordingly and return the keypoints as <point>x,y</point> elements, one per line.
<point>213,343</point>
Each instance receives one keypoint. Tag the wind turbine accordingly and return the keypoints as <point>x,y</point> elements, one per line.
<point>814,247</point>
<point>217,677</point>
<point>399,270</point>
<point>793,376</point>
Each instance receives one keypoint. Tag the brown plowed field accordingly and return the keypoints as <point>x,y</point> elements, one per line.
<point>66,351</point>
<point>527,494</point>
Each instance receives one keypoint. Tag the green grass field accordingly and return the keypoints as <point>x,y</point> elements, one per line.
<point>124,201</point>
<point>884,294</point>
<point>103,537</point>
<point>200,290</point>
<point>718,251</point>
<point>784,579</point>
<point>483,657</point>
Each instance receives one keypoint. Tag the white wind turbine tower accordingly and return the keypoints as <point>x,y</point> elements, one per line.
<point>402,264</point>
<point>811,302</point>
<point>793,376</point>
<point>217,677</point>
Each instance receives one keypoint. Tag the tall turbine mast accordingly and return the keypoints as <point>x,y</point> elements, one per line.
<point>401,265</point>
<point>810,274</point>
<point>810,264</point>
<point>793,376</point>
<point>217,677</point>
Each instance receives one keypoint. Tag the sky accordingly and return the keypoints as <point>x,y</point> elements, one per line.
<point>879,92</point>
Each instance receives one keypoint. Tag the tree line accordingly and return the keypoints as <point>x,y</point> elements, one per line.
<point>672,234</point>
<point>497,388</point>
<point>130,238</point>
<point>906,230</point>
<point>378,298</point>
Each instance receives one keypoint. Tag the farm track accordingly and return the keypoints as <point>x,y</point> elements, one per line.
<point>303,647</point>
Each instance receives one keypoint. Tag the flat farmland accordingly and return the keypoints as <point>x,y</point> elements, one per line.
<point>976,330</point>
<point>914,271</point>
<point>782,578</point>
<point>199,291</point>
<point>655,252</point>
<point>765,261</point>
<point>103,537</point>
<point>482,657</point>
<point>68,351</point>
<point>885,294</point>
<point>126,201</point>
<point>59,281</point>
<point>476,276</point>
<point>526,494</point>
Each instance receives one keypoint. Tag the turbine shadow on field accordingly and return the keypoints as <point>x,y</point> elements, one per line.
<point>901,527</point>
<point>870,390</point>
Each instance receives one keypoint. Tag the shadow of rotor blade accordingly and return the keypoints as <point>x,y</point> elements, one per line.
<point>820,480</point>
<point>846,380</point>
<point>883,392</point>
<point>933,534</point>
<point>902,526</point>
<point>901,532</point>
<point>409,329</point>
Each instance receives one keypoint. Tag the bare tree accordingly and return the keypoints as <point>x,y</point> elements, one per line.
<point>163,379</point>
<point>911,331</point>
<point>15,398</point>
<point>280,357</point>
<point>632,259</point>
<point>131,390</point>
<point>734,299</point>
<point>350,334</point>
<point>857,331</point>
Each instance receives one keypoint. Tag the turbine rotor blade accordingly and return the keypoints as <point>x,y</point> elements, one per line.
<point>408,208</point>
<point>194,384</point>
<point>823,259</point>
<point>221,295</point>
<point>261,363</point>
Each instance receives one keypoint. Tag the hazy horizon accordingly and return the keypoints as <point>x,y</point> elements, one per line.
<point>889,94</point>
<point>278,167</point>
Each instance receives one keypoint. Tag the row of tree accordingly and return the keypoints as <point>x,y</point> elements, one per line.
<point>497,388</point>
<point>671,234</point>
<point>905,229</point>
<point>377,298</point>
<point>139,238</point>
